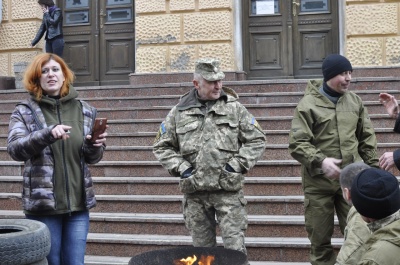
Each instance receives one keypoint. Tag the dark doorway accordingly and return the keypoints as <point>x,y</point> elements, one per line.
<point>99,40</point>
<point>288,39</point>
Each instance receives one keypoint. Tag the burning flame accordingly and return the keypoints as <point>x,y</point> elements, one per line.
<point>204,260</point>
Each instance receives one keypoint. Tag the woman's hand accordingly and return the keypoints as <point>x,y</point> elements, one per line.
<point>45,9</point>
<point>61,131</point>
<point>101,140</point>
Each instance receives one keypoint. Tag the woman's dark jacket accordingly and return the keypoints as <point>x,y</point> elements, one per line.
<point>30,140</point>
<point>51,24</point>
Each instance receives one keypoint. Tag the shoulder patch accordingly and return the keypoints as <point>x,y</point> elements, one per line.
<point>161,131</point>
<point>255,123</point>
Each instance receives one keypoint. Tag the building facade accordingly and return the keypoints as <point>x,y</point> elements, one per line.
<point>107,40</point>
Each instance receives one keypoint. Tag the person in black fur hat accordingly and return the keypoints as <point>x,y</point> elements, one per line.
<point>376,196</point>
<point>330,129</point>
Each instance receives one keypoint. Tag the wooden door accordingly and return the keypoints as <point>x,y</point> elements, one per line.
<point>99,40</point>
<point>288,38</point>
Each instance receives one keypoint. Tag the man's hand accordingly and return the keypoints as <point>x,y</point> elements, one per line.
<point>330,167</point>
<point>390,103</point>
<point>386,161</point>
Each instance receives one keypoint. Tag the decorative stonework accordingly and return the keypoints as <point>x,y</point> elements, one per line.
<point>18,35</point>
<point>27,9</point>
<point>207,26</point>
<point>224,52</point>
<point>372,19</point>
<point>158,29</point>
<point>212,4</point>
<point>152,59</point>
<point>150,6</point>
<point>4,11</point>
<point>4,69</point>
<point>182,58</point>
<point>373,32</point>
<point>185,31</point>
<point>393,51</point>
<point>365,52</point>
<point>179,5</point>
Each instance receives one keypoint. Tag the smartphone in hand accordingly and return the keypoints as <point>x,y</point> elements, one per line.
<point>98,128</point>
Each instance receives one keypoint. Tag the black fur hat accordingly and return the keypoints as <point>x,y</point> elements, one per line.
<point>375,193</point>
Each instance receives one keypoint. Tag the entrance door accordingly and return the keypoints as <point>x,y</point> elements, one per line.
<point>99,40</point>
<point>288,38</point>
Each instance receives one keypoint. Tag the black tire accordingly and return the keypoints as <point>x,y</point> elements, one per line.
<point>23,242</point>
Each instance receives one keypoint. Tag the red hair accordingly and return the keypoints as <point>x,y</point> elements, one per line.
<point>33,73</point>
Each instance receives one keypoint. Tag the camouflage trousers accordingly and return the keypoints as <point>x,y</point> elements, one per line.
<point>203,210</point>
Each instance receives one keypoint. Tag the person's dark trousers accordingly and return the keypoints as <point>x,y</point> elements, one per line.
<point>55,46</point>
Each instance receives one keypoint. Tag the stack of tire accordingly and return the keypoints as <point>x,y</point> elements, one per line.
<point>23,242</point>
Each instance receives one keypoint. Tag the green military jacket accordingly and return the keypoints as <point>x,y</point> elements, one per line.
<point>207,137</point>
<point>383,247</point>
<point>322,129</point>
<point>356,234</point>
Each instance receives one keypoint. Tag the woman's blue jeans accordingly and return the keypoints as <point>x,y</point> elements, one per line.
<point>68,236</point>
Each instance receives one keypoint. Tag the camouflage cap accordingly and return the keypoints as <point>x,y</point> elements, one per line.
<point>209,69</point>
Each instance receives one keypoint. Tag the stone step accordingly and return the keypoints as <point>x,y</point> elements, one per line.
<point>247,86</point>
<point>282,249</point>
<point>267,123</point>
<point>125,245</point>
<point>383,135</point>
<point>274,186</point>
<point>257,205</point>
<point>145,153</point>
<point>173,224</point>
<point>160,112</point>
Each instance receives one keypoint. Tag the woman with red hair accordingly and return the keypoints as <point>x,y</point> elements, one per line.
<point>51,132</point>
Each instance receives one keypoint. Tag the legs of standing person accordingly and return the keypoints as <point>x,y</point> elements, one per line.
<point>199,218</point>
<point>68,237</point>
<point>342,209</point>
<point>232,218</point>
<point>55,46</point>
<point>75,231</point>
<point>319,221</point>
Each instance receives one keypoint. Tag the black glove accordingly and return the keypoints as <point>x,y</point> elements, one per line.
<point>187,173</point>
<point>229,168</point>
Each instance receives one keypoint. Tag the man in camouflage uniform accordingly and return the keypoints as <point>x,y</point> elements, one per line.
<point>375,194</point>
<point>356,232</point>
<point>210,140</point>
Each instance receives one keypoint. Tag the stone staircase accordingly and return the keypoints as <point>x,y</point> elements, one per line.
<point>139,204</point>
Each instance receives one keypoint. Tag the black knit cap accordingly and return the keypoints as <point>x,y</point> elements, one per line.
<point>335,64</point>
<point>375,193</point>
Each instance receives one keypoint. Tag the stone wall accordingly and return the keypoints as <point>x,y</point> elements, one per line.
<point>20,22</point>
<point>172,34</point>
<point>373,32</point>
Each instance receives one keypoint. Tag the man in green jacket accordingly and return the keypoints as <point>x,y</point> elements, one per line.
<point>330,129</point>
<point>376,196</point>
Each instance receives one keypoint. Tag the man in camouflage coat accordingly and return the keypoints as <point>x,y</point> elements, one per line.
<point>210,140</point>
<point>375,194</point>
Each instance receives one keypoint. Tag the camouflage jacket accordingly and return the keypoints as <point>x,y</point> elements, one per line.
<point>29,140</point>
<point>206,138</point>
<point>356,234</point>
<point>383,247</point>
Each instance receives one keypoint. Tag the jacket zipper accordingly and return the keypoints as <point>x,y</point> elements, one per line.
<point>67,189</point>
